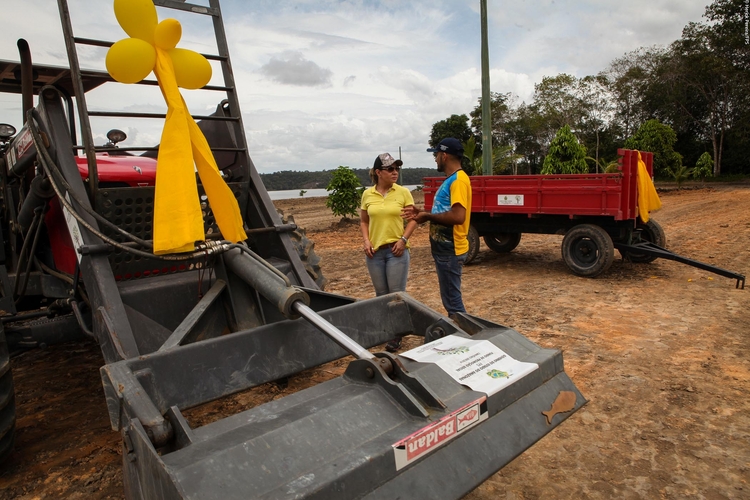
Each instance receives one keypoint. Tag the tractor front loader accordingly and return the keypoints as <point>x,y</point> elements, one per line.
<point>180,330</point>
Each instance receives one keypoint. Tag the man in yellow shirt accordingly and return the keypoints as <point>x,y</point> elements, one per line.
<point>449,222</point>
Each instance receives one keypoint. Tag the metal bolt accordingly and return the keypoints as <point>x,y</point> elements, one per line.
<point>370,372</point>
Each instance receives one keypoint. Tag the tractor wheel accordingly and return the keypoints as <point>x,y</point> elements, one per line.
<point>652,232</point>
<point>473,237</point>
<point>306,251</point>
<point>588,250</point>
<point>7,401</point>
<point>502,242</point>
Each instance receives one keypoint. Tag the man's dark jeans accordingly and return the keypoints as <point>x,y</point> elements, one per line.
<point>449,269</point>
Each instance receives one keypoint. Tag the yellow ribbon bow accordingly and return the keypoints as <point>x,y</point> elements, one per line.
<point>178,220</point>
<point>648,198</point>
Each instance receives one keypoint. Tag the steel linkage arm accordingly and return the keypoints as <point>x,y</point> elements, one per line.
<point>653,250</point>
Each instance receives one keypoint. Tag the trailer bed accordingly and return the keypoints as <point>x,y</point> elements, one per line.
<point>610,195</point>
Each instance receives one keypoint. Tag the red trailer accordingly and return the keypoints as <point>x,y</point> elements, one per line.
<point>596,213</point>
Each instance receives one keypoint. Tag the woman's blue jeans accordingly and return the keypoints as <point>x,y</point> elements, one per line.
<point>449,269</point>
<point>388,272</point>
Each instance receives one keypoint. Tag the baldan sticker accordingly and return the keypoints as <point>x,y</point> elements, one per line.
<point>438,433</point>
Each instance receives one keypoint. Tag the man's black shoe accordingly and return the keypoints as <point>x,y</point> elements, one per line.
<point>393,345</point>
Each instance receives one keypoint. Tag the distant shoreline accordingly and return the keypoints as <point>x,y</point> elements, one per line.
<point>287,194</point>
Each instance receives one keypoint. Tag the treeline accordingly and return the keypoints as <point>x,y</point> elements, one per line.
<point>688,100</point>
<point>286,180</point>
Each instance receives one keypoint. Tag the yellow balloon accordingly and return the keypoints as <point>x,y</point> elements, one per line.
<point>137,17</point>
<point>130,60</point>
<point>191,70</point>
<point>167,34</point>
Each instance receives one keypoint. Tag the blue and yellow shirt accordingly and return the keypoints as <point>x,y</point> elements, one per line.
<point>451,240</point>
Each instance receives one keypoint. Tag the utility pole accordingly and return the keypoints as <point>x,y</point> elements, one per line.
<point>486,113</point>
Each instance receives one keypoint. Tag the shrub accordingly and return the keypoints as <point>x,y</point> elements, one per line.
<point>658,138</point>
<point>345,192</point>
<point>566,155</point>
<point>704,167</point>
<point>680,174</point>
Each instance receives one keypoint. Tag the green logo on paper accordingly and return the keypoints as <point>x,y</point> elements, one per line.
<point>498,374</point>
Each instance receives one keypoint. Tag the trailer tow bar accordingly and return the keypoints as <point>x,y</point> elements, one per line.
<point>649,248</point>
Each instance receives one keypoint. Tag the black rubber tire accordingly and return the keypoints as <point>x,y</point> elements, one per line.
<point>588,250</point>
<point>7,401</point>
<point>306,251</point>
<point>652,232</point>
<point>502,242</point>
<point>473,237</point>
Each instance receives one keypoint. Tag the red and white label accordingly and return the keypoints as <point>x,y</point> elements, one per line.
<point>438,433</point>
<point>23,142</point>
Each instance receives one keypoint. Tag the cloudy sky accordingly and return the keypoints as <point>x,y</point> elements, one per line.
<point>324,83</point>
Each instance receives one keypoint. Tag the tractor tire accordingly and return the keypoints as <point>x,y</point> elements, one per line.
<point>473,238</point>
<point>306,251</point>
<point>502,242</point>
<point>588,250</point>
<point>652,232</point>
<point>7,401</point>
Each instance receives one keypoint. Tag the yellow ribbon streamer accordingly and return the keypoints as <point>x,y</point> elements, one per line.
<point>648,199</point>
<point>178,219</point>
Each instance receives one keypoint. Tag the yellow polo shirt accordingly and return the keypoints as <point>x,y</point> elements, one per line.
<point>386,225</point>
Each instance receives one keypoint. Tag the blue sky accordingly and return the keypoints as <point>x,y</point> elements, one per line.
<point>324,83</point>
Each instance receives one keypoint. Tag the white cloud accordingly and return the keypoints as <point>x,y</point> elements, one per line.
<point>324,83</point>
<point>291,68</point>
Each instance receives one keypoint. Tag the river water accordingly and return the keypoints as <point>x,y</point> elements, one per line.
<point>309,193</point>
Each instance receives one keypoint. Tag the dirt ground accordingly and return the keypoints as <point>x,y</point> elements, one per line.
<point>661,351</point>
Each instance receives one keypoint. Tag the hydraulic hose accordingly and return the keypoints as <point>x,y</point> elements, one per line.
<point>210,248</point>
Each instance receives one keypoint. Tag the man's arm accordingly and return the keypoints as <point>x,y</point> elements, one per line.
<point>456,215</point>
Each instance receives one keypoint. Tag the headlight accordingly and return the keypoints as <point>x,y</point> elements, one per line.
<point>7,131</point>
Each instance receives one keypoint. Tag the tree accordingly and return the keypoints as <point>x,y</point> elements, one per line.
<point>566,155</point>
<point>633,84</point>
<point>598,108</point>
<point>680,174</point>
<point>455,126</point>
<point>346,192</point>
<point>475,161</point>
<point>703,86</point>
<point>503,159</point>
<point>529,134</point>
<point>657,138</point>
<point>704,167</point>
<point>728,31</point>
<point>559,100</point>
<point>501,107</point>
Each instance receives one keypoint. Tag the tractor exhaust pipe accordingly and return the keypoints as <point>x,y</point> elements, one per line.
<point>27,77</point>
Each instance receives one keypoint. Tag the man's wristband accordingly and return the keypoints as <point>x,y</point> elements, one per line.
<point>406,240</point>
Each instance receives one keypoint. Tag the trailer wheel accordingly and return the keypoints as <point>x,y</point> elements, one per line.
<point>473,238</point>
<point>652,232</point>
<point>502,242</point>
<point>588,250</point>
<point>7,401</point>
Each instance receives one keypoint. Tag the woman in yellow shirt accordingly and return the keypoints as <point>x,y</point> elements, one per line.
<point>386,241</point>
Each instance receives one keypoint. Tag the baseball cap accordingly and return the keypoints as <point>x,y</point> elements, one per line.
<point>386,160</point>
<point>449,145</point>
